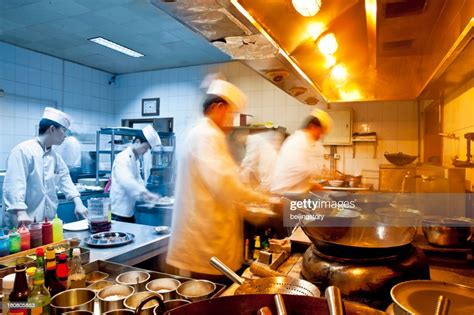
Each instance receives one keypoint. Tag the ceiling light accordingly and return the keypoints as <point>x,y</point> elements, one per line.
<point>315,30</point>
<point>107,43</point>
<point>330,61</point>
<point>307,7</point>
<point>327,44</point>
<point>339,74</point>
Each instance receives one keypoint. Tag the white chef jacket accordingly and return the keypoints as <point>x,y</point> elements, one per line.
<point>31,182</point>
<point>259,161</point>
<point>205,221</point>
<point>127,185</point>
<point>70,151</point>
<point>296,164</point>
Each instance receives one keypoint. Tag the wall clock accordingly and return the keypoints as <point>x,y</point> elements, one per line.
<point>150,107</point>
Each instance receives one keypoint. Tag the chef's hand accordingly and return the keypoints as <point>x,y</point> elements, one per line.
<point>80,211</point>
<point>150,197</point>
<point>23,217</point>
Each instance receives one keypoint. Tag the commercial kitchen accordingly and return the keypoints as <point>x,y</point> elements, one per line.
<point>237,156</point>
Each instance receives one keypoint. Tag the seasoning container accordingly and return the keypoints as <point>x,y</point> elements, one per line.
<point>62,270</point>
<point>4,245</point>
<point>20,290</point>
<point>36,234</point>
<point>30,273</point>
<point>14,242</point>
<point>47,232</point>
<point>7,288</point>
<point>25,237</point>
<point>57,229</point>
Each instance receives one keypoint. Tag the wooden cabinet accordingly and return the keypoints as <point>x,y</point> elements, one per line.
<point>341,133</point>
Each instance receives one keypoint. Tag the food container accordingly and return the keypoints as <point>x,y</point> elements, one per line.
<point>133,301</point>
<point>79,313</point>
<point>336,182</point>
<point>447,232</point>
<point>73,300</point>
<point>164,286</point>
<point>98,214</point>
<point>112,297</point>
<point>95,276</point>
<point>399,217</point>
<point>99,285</point>
<point>196,290</point>
<point>136,279</point>
<point>120,312</point>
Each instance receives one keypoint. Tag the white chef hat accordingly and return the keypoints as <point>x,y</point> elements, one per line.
<point>324,119</point>
<point>229,92</point>
<point>57,116</point>
<point>151,136</point>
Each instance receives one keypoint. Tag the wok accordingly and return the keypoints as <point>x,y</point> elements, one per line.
<point>250,304</point>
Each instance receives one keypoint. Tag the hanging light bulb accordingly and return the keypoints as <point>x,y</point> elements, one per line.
<point>339,74</point>
<point>307,7</point>
<point>327,44</point>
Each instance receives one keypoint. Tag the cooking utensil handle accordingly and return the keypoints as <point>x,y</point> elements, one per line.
<point>229,273</point>
<point>280,305</point>
<point>334,300</point>
<point>442,306</point>
<point>161,305</point>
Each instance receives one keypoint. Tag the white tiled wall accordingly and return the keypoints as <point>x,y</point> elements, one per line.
<point>32,81</point>
<point>396,123</point>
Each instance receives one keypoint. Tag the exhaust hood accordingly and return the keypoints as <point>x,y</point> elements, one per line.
<point>381,50</point>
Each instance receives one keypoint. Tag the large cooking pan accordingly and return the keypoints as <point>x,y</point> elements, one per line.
<point>250,304</point>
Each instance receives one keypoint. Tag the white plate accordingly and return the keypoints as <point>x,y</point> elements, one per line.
<point>81,225</point>
<point>163,229</point>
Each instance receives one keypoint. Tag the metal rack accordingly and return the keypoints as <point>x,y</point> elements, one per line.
<point>113,132</point>
<point>162,172</point>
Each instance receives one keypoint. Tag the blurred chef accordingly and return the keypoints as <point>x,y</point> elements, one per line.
<point>205,220</point>
<point>127,185</point>
<point>258,164</point>
<point>70,151</point>
<point>296,165</point>
<point>35,173</point>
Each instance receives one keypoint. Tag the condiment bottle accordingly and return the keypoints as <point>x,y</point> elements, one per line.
<point>77,275</point>
<point>257,247</point>
<point>39,296</point>
<point>30,273</point>
<point>47,232</point>
<point>57,229</point>
<point>62,270</point>
<point>36,234</point>
<point>7,287</point>
<point>25,238</point>
<point>20,292</point>
<point>51,281</point>
<point>14,242</point>
<point>4,244</point>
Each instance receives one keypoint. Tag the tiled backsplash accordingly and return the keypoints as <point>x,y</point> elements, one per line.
<point>32,81</point>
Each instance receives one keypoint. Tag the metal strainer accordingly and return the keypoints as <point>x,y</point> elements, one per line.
<point>270,285</point>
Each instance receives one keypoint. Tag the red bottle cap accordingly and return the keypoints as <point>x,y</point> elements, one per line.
<point>40,252</point>
<point>62,256</point>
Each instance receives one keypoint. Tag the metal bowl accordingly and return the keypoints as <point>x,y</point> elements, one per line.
<point>447,232</point>
<point>400,159</point>
<point>136,279</point>
<point>164,286</point>
<point>120,312</point>
<point>196,290</point>
<point>99,285</point>
<point>133,301</point>
<point>96,276</point>
<point>73,300</point>
<point>79,313</point>
<point>112,297</point>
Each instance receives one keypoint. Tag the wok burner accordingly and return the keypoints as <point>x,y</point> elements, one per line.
<point>363,275</point>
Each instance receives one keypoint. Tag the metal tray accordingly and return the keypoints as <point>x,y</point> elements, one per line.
<point>109,239</point>
<point>114,269</point>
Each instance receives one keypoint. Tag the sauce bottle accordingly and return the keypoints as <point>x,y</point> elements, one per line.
<point>25,237</point>
<point>52,283</point>
<point>47,232</point>
<point>57,229</point>
<point>4,244</point>
<point>62,270</point>
<point>77,275</point>
<point>36,234</point>
<point>14,242</point>
<point>39,296</point>
<point>19,293</point>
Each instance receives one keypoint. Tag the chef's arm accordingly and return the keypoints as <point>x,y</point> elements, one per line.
<point>220,173</point>
<point>15,181</point>
<point>70,191</point>
<point>250,160</point>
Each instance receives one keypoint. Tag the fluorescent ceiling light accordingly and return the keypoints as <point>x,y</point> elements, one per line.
<point>107,43</point>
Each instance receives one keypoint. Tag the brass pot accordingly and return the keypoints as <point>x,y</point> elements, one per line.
<point>196,290</point>
<point>164,286</point>
<point>447,232</point>
<point>136,279</point>
<point>112,297</point>
<point>73,300</point>
<point>135,300</point>
<point>120,312</point>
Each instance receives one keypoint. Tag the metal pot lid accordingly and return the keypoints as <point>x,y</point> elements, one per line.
<point>420,296</point>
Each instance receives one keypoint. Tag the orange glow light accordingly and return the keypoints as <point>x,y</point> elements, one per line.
<point>339,74</point>
<point>307,7</point>
<point>328,44</point>
<point>329,61</point>
<point>316,29</point>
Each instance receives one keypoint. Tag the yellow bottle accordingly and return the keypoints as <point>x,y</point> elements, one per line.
<point>57,229</point>
<point>257,247</point>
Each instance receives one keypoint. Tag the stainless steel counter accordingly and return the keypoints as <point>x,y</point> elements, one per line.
<point>147,244</point>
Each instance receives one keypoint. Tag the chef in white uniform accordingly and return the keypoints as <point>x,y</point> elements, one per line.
<point>258,164</point>
<point>205,220</point>
<point>296,165</point>
<point>127,186</point>
<point>35,173</point>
